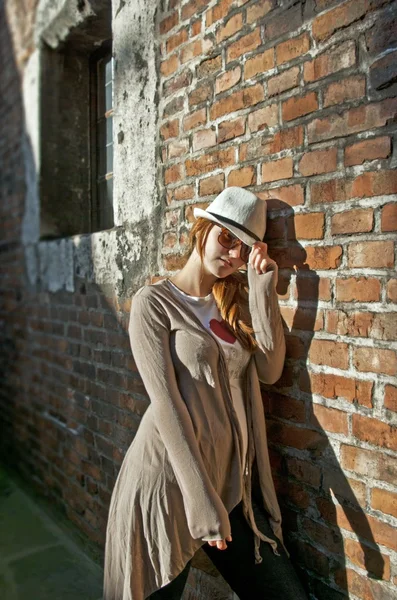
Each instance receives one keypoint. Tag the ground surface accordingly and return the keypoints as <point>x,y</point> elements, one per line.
<point>38,559</point>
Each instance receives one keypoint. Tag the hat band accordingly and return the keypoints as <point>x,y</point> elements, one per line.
<point>235,224</point>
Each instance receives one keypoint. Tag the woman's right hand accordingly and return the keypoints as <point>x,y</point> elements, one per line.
<point>221,544</point>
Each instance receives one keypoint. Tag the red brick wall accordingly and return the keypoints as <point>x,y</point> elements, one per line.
<point>296,102</point>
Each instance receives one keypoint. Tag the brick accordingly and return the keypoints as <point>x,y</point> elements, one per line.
<point>277,169</point>
<point>381,35</point>
<point>169,66</point>
<point>286,408</point>
<point>365,587</point>
<point>330,419</point>
<point>232,26</point>
<point>352,324</point>
<point>363,525</point>
<point>384,501</point>
<point>242,177</point>
<point>169,23</point>
<point>173,107</point>
<point>350,88</point>
<point>307,227</point>
<point>209,162</point>
<point>303,470</point>
<point>391,289</point>
<point>231,129</point>
<point>263,146</point>
<point>227,80</point>
<point>292,195</point>
<point>189,210</point>
<point>204,138</point>
<point>341,56</point>
<point>302,318</point>
<point>332,354</point>
<point>176,40</point>
<point>358,289</point>
<point>236,101</point>
<point>369,184</point>
<point>172,218</point>
<point>259,10</point>
<point>312,288</point>
<point>298,106</point>
<point>284,81</point>
<point>174,262</point>
<point>352,221</point>
<point>169,240</point>
<point>318,161</point>
<point>367,558</point>
<point>242,46</point>
<point>389,217</point>
<point>383,72</point>
<point>200,94</point>
<point>372,149</point>
<point>323,257</point>
<point>173,174</point>
<point>324,26</point>
<point>212,185</point>
<point>209,66</point>
<point>384,326</point>
<point>321,534</point>
<point>258,64</point>
<point>193,8</point>
<point>285,21</point>
<point>219,11</point>
<point>375,465</point>
<point>390,399</point>
<point>183,192</point>
<point>353,120</point>
<point>263,118</point>
<point>194,119</point>
<point>371,254</point>
<point>195,28</point>
<point>190,51</point>
<point>300,438</point>
<point>337,386</point>
<point>292,48</point>
<point>170,129</point>
<point>375,360</point>
<point>178,148</point>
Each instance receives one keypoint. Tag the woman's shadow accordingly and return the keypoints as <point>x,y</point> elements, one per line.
<point>315,495</point>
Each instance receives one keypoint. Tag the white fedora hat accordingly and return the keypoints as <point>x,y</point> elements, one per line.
<point>240,211</point>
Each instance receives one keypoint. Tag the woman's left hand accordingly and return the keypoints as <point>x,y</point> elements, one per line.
<point>260,260</point>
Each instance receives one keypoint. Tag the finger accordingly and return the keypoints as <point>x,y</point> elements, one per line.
<point>222,545</point>
<point>263,265</point>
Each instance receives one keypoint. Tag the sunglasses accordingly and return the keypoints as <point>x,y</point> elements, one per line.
<point>228,240</point>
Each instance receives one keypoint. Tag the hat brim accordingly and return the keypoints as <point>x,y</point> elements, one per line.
<point>244,237</point>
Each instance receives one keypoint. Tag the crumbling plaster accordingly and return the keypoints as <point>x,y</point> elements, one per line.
<point>120,259</point>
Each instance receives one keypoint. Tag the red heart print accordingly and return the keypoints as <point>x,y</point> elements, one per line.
<point>221,330</point>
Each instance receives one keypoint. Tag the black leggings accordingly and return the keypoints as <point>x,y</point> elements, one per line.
<point>273,579</point>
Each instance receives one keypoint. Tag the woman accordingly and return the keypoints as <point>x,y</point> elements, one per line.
<point>201,341</point>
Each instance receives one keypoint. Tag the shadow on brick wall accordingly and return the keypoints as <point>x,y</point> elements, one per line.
<point>316,496</point>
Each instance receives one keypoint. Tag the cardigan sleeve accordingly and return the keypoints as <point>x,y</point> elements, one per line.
<point>149,332</point>
<point>267,325</point>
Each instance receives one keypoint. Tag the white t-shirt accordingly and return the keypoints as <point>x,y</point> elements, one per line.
<point>237,357</point>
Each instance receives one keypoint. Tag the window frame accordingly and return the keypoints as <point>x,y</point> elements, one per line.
<point>95,208</point>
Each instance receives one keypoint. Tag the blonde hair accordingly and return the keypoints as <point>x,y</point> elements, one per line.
<point>230,293</point>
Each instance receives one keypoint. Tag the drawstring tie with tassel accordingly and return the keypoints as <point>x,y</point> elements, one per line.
<point>249,515</point>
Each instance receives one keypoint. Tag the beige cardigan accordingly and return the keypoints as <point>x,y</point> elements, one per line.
<point>183,473</point>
